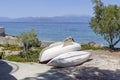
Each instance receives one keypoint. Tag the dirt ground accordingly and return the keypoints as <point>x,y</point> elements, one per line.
<point>103,65</point>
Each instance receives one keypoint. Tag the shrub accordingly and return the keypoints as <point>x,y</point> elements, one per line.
<point>2,55</point>
<point>88,47</point>
<point>29,39</point>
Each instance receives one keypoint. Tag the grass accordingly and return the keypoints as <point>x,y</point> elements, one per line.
<point>33,56</point>
<point>10,47</point>
<point>89,47</point>
<point>35,52</point>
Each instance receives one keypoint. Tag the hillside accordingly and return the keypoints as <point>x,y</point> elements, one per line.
<point>48,19</point>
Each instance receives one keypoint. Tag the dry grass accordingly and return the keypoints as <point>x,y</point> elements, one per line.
<point>105,52</point>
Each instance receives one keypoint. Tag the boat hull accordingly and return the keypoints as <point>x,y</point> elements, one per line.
<point>57,49</point>
<point>70,59</point>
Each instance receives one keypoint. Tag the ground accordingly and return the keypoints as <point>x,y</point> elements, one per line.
<point>103,65</point>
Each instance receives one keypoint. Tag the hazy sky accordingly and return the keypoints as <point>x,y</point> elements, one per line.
<point>47,8</point>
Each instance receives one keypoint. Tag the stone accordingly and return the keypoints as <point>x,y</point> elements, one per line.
<point>99,45</point>
<point>68,39</point>
<point>92,43</point>
<point>2,31</point>
<point>46,43</point>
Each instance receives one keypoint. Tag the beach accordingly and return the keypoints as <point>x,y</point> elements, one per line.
<point>103,65</point>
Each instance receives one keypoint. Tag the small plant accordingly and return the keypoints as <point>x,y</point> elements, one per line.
<point>2,55</point>
<point>28,39</point>
<point>88,47</point>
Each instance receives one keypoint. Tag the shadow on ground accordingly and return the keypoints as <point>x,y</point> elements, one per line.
<point>91,73</point>
<point>5,70</point>
<point>79,73</point>
<point>112,50</point>
<point>51,75</point>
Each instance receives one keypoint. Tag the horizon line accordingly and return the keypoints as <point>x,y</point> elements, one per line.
<point>46,16</point>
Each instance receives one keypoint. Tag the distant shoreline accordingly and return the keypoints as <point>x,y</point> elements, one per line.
<point>48,19</point>
<point>81,32</point>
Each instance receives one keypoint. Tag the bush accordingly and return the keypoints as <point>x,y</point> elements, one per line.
<point>2,55</point>
<point>29,39</point>
<point>88,47</point>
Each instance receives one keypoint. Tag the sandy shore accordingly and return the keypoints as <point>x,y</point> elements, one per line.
<point>103,65</point>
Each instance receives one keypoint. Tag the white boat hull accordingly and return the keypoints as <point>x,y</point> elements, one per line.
<point>70,59</point>
<point>57,49</point>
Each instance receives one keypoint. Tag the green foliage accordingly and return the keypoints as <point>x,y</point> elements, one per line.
<point>89,47</point>
<point>33,56</point>
<point>2,55</point>
<point>16,58</point>
<point>11,47</point>
<point>106,22</point>
<point>29,39</point>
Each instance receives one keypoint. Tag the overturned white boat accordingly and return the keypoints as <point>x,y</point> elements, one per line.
<point>70,59</point>
<point>56,49</point>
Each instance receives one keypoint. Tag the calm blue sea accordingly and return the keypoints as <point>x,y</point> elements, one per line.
<point>81,32</point>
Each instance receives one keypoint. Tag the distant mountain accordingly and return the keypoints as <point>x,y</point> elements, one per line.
<point>5,19</point>
<point>48,19</point>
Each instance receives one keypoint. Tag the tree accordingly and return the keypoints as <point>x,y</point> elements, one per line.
<point>106,22</point>
<point>28,40</point>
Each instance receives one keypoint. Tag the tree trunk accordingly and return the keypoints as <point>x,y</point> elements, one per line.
<point>111,46</point>
<point>1,55</point>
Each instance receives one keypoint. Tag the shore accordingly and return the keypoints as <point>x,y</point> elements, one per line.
<point>103,65</point>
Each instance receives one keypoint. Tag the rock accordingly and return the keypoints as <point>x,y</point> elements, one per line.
<point>2,31</point>
<point>8,52</point>
<point>46,43</point>
<point>92,43</point>
<point>99,45</point>
<point>68,39</point>
<point>10,40</point>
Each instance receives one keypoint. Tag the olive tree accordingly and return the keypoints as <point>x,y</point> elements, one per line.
<point>28,40</point>
<point>106,22</point>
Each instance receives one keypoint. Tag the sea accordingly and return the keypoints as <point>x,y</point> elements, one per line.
<point>52,31</point>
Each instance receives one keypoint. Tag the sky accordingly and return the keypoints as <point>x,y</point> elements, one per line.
<point>48,8</point>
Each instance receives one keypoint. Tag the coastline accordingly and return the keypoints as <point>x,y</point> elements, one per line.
<point>81,32</point>
<point>43,43</point>
<point>13,41</point>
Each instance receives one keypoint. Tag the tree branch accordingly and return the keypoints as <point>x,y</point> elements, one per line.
<point>116,41</point>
